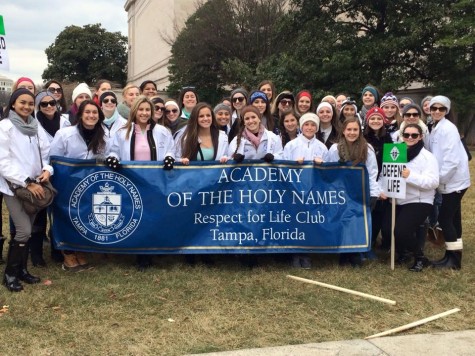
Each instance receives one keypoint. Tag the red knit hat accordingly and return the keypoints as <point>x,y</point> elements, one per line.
<point>379,112</point>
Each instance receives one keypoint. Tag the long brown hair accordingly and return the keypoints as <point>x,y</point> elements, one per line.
<point>189,141</point>
<point>245,110</point>
<point>356,152</point>
<point>133,113</point>
<point>97,144</point>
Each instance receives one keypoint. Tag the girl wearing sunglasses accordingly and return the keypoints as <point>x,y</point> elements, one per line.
<point>445,144</point>
<point>159,105</point>
<point>173,120</point>
<point>56,89</point>
<point>239,97</point>
<point>422,178</point>
<point>412,114</point>
<point>51,120</point>
<point>113,121</point>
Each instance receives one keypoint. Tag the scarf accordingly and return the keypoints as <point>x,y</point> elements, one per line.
<point>413,151</point>
<point>110,121</point>
<point>253,138</point>
<point>29,128</point>
<point>50,125</point>
<point>346,153</point>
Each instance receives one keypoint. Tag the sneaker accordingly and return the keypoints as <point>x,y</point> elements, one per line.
<point>296,261</point>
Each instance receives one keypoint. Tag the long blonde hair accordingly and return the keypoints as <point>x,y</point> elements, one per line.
<point>133,113</point>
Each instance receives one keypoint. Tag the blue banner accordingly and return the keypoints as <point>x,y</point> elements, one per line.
<point>207,207</point>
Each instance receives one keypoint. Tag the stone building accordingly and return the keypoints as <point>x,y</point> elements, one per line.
<point>152,24</point>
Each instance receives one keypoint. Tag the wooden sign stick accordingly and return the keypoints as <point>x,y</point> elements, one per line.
<point>349,291</point>
<point>414,324</point>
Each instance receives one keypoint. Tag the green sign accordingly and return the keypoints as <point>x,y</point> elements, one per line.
<point>2,26</point>
<point>395,153</point>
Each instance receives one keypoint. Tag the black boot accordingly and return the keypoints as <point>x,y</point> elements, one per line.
<point>12,270</point>
<point>144,262</point>
<point>36,249</point>
<point>420,262</point>
<point>23,274</point>
<point>2,240</point>
<point>452,260</point>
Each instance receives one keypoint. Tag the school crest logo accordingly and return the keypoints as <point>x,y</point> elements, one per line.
<point>105,207</point>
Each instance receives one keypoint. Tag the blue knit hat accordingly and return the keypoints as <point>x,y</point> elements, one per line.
<point>372,90</point>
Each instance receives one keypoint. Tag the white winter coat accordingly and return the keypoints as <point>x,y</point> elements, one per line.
<point>20,157</point>
<point>109,133</point>
<point>63,122</point>
<point>302,147</point>
<point>222,145</point>
<point>371,165</point>
<point>120,146</point>
<point>423,179</point>
<point>446,146</point>
<point>68,142</point>
<point>270,143</point>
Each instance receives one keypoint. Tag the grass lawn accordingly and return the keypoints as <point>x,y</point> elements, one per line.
<point>175,309</point>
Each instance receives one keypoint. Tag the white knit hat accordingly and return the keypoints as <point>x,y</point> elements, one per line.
<point>82,88</point>
<point>309,117</point>
<point>442,100</point>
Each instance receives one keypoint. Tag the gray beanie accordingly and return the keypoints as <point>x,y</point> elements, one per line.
<point>442,100</point>
<point>41,95</point>
<point>222,106</point>
<point>242,91</point>
<point>406,108</point>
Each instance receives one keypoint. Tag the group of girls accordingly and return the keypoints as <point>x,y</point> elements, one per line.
<point>259,126</point>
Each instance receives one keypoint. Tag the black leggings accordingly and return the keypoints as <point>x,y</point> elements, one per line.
<point>408,219</point>
<point>450,215</point>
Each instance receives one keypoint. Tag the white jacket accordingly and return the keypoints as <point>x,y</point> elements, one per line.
<point>109,133</point>
<point>68,142</point>
<point>302,147</point>
<point>222,145</point>
<point>423,179</point>
<point>446,146</point>
<point>270,143</point>
<point>20,157</point>
<point>63,122</point>
<point>120,146</point>
<point>371,165</point>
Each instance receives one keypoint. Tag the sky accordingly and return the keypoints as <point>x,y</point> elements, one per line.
<point>31,26</point>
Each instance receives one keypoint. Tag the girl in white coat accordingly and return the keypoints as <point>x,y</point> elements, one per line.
<point>24,149</point>
<point>306,147</point>
<point>49,117</point>
<point>422,178</point>
<point>201,140</point>
<point>353,147</point>
<point>454,179</point>
<point>142,140</point>
<point>113,122</point>
<point>85,140</point>
<point>253,141</point>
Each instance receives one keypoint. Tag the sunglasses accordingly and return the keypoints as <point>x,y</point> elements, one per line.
<point>44,104</point>
<point>410,114</point>
<point>107,101</point>
<point>286,102</point>
<point>160,108</point>
<point>440,108</point>
<point>173,111</point>
<point>413,135</point>
<point>55,90</point>
<point>239,99</point>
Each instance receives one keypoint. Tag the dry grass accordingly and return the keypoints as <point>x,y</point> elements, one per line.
<point>176,309</point>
